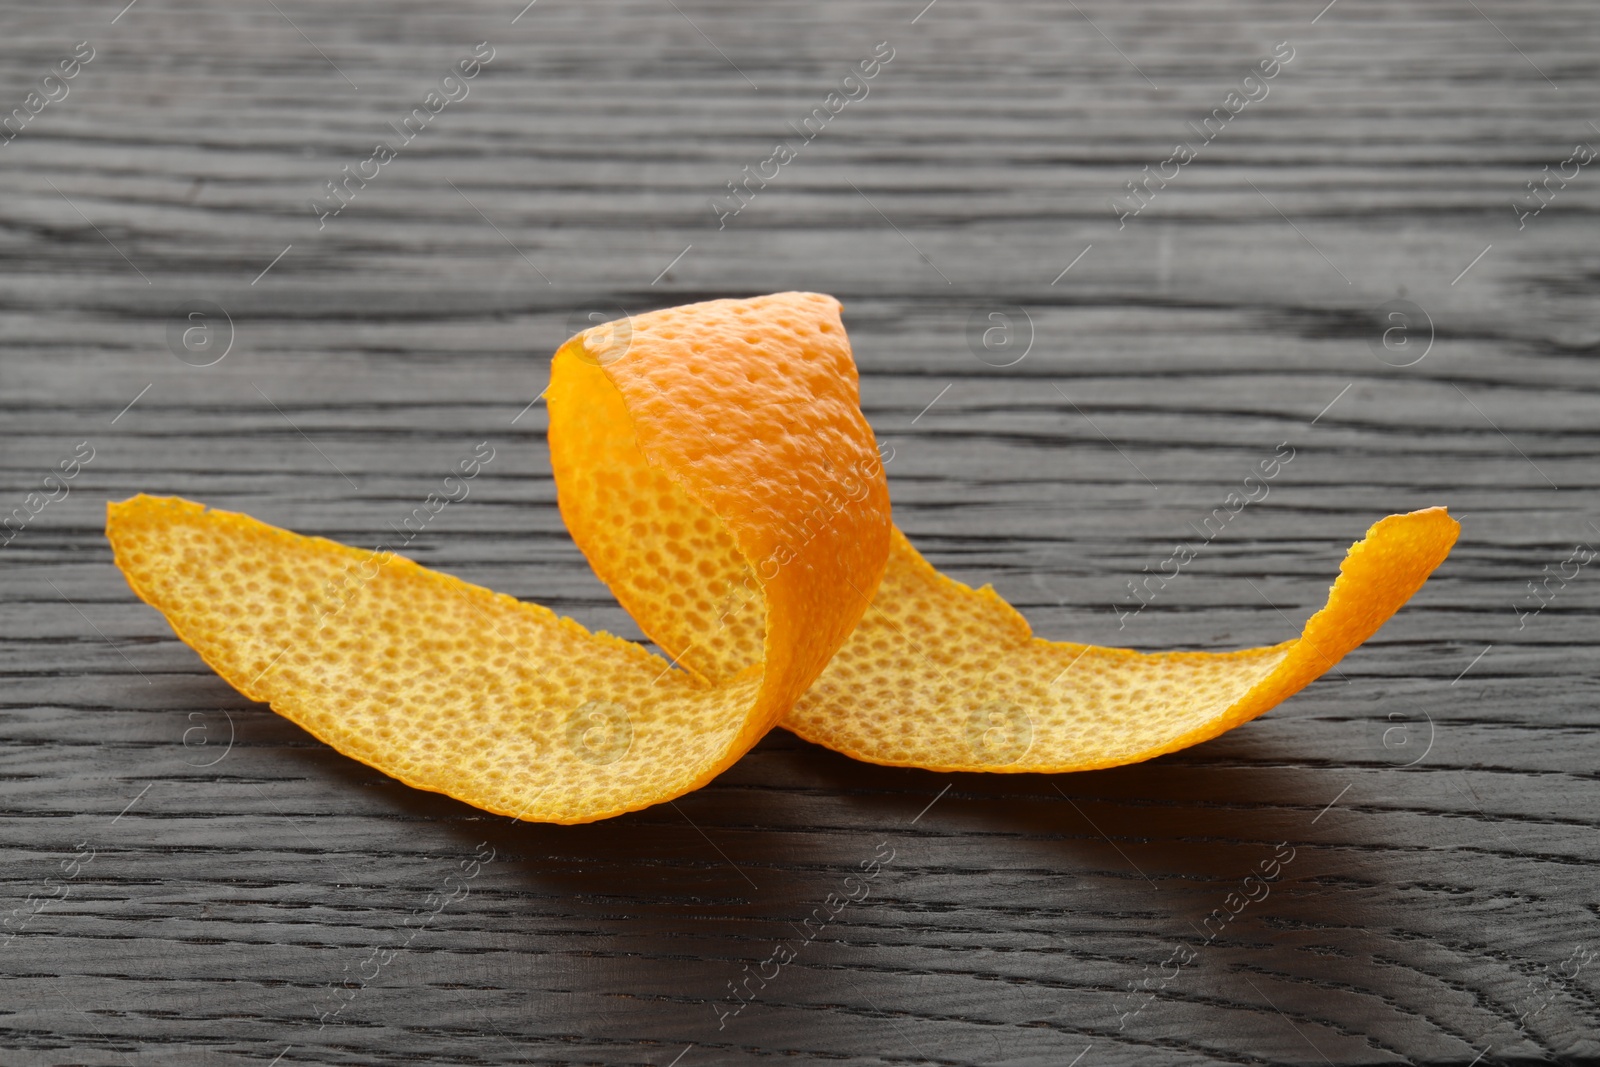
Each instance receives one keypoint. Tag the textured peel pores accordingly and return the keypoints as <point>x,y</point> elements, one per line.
<point>752,408</point>
<point>946,677</point>
<point>713,464</point>
<point>439,683</point>
<point>502,704</point>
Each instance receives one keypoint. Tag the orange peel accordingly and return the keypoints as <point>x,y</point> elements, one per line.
<point>713,464</point>
<point>946,677</point>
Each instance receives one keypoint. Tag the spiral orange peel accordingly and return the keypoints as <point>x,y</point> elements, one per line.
<point>713,464</point>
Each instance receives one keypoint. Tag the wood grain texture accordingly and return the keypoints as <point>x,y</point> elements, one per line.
<point>1441,804</point>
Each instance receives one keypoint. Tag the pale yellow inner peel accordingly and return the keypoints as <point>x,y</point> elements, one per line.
<point>946,677</point>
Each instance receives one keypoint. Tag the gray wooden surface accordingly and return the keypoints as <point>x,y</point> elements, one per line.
<point>1439,793</point>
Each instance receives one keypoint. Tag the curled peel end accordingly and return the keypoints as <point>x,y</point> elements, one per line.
<point>949,678</point>
<point>1378,575</point>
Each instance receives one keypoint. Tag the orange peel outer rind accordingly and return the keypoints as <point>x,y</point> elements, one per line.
<point>698,452</point>
<point>746,411</point>
<point>713,464</point>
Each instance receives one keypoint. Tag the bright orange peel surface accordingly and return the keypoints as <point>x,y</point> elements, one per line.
<point>714,466</point>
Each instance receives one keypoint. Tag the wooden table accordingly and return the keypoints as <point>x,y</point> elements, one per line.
<point>1438,792</point>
